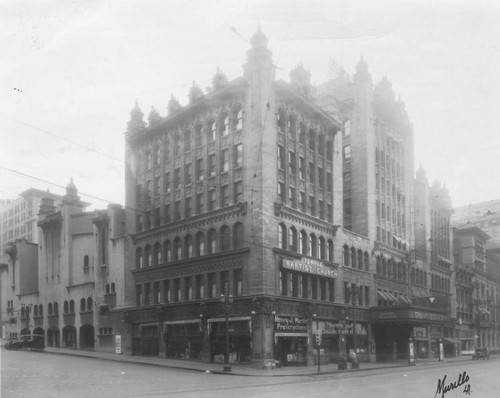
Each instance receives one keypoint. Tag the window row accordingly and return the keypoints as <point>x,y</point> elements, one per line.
<point>356,258</point>
<point>307,137</point>
<point>304,243</point>
<point>359,295</point>
<point>386,236</point>
<point>310,205</point>
<point>441,283</point>
<point>193,287</point>
<point>391,269</point>
<point>302,285</point>
<point>202,243</point>
<point>213,128</point>
<point>110,288</point>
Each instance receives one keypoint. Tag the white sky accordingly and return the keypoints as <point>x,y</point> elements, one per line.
<point>70,73</point>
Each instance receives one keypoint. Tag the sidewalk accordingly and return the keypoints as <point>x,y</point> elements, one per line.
<point>238,369</point>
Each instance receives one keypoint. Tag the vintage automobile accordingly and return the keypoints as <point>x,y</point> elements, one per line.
<point>481,353</point>
<point>34,342</point>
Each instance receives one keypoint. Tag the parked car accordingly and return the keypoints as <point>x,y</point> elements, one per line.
<point>481,353</point>
<point>35,342</point>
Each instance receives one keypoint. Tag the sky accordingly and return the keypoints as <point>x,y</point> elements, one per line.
<point>71,71</point>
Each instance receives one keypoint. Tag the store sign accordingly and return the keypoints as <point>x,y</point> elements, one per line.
<point>118,344</point>
<point>295,324</point>
<point>309,266</point>
<point>429,316</point>
<point>419,331</point>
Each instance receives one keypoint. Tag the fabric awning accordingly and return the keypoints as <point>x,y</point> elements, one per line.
<point>382,295</point>
<point>483,310</point>
<point>392,297</point>
<point>405,299</point>
<point>451,340</point>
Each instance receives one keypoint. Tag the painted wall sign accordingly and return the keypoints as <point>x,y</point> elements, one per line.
<point>309,266</point>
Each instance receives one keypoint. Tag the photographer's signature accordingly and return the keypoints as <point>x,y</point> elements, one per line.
<point>445,386</point>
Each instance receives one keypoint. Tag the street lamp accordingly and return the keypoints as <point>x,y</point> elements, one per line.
<point>227,301</point>
<point>353,288</point>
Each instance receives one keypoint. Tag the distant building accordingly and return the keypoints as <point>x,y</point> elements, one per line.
<point>19,216</point>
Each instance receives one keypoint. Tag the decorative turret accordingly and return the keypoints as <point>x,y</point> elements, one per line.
<point>219,80</point>
<point>420,175</point>
<point>300,79</point>
<point>383,91</point>
<point>195,93</point>
<point>259,57</point>
<point>71,189</point>
<point>136,122</point>
<point>173,105</point>
<point>362,73</point>
<point>154,117</point>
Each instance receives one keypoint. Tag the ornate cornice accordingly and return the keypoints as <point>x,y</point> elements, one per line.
<point>197,221</point>
<point>50,220</point>
<point>298,217</point>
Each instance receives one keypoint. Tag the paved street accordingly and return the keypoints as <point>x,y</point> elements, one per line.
<point>27,374</point>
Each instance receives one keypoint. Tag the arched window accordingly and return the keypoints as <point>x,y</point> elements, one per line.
<point>212,242</point>
<point>198,134</point>
<point>157,253</point>
<point>138,257</point>
<point>282,236</point>
<point>85,261</point>
<point>147,256</point>
<point>113,289</point>
<point>353,257</point>
<point>50,309</point>
<point>303,242</point>
<point>188,246</point>
<point>23,313</point>
<point>367,261</point>
<point>321,144</point>
<point>72,306</point>
<point>56,308</point>
<point>238,235</point>
<point>211,130</point>
<point>312,245</point>
<point>346,256</point>
<point>223,124</point>
<point>40,310</point>
<point>237,119</point>
<point>322,248</point>
<point>83,304</point>
<point>177,249</point>
<point>292,239</point>
<point>379,265</point>
<point>225,238</point>
<point>148,159</point>
<point>35,310</point>
<point>330,250</point>
<point>360,259</point>
<point>200,244</point>
<point>89,304</point>
<point>281,121</point>
<point>66,306</point>
<point>107,288</point>
<point>167,251</point>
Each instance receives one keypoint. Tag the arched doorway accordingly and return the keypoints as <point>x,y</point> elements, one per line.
<point>86,337</point>
<point>53,337</point>
<point>25,331</point>
<point>69,336</point>
<point>39,334</point>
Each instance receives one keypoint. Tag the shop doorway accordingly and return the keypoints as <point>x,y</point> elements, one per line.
<point>292,351</point>
<point>86,337</point>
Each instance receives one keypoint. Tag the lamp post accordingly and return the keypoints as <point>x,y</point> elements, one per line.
<point>227,301</point>
<point>353,288</point>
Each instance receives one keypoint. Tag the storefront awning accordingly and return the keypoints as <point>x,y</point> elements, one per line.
<point>405,299</point>
<point>392,297</point>
<point>383,296</point>
<point>451,340</point>
<point>483,310</point>
<point>231,319</point>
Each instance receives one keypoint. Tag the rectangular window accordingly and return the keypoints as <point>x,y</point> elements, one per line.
<point>166,182</point>
<point>224,196</point>
<point>312,206</point>
<point>138,193</point>
<point>188,288</point>
<point>329,212</point>
<point>138,295</point>
<point>200,205</point>
<point>199,169</point>
<point>329,182</point>
<point>167,297</point>
<point>237,283</point>
<point>212,285</point>
<point>188,174</point>
<point>347,152</point>
<point>281,192</point>
<point>224,282</point>
<point>321,177</point>
<point>331,290</point>
<point>168,218</point>
<point>302,202</point>
<point>291,163</point>
<point>188,210</point>
<point>200,287</point>
<point>156,217</point>
<point>311,173</point>
<point>302,168</point>
<point>281,157</point>
<point>238,155</point>
<point>211,199</point>
<point>177,178</point>
<point>147,293</point>
<point>177,210</point>
<point>238,192</point>
<point>224,161</point>
<point>156,293</point>
<point>321,209</point>
<point>211,165</point>
<point>291,197</point>
<point>177,290</point>
<point>314,287</point>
